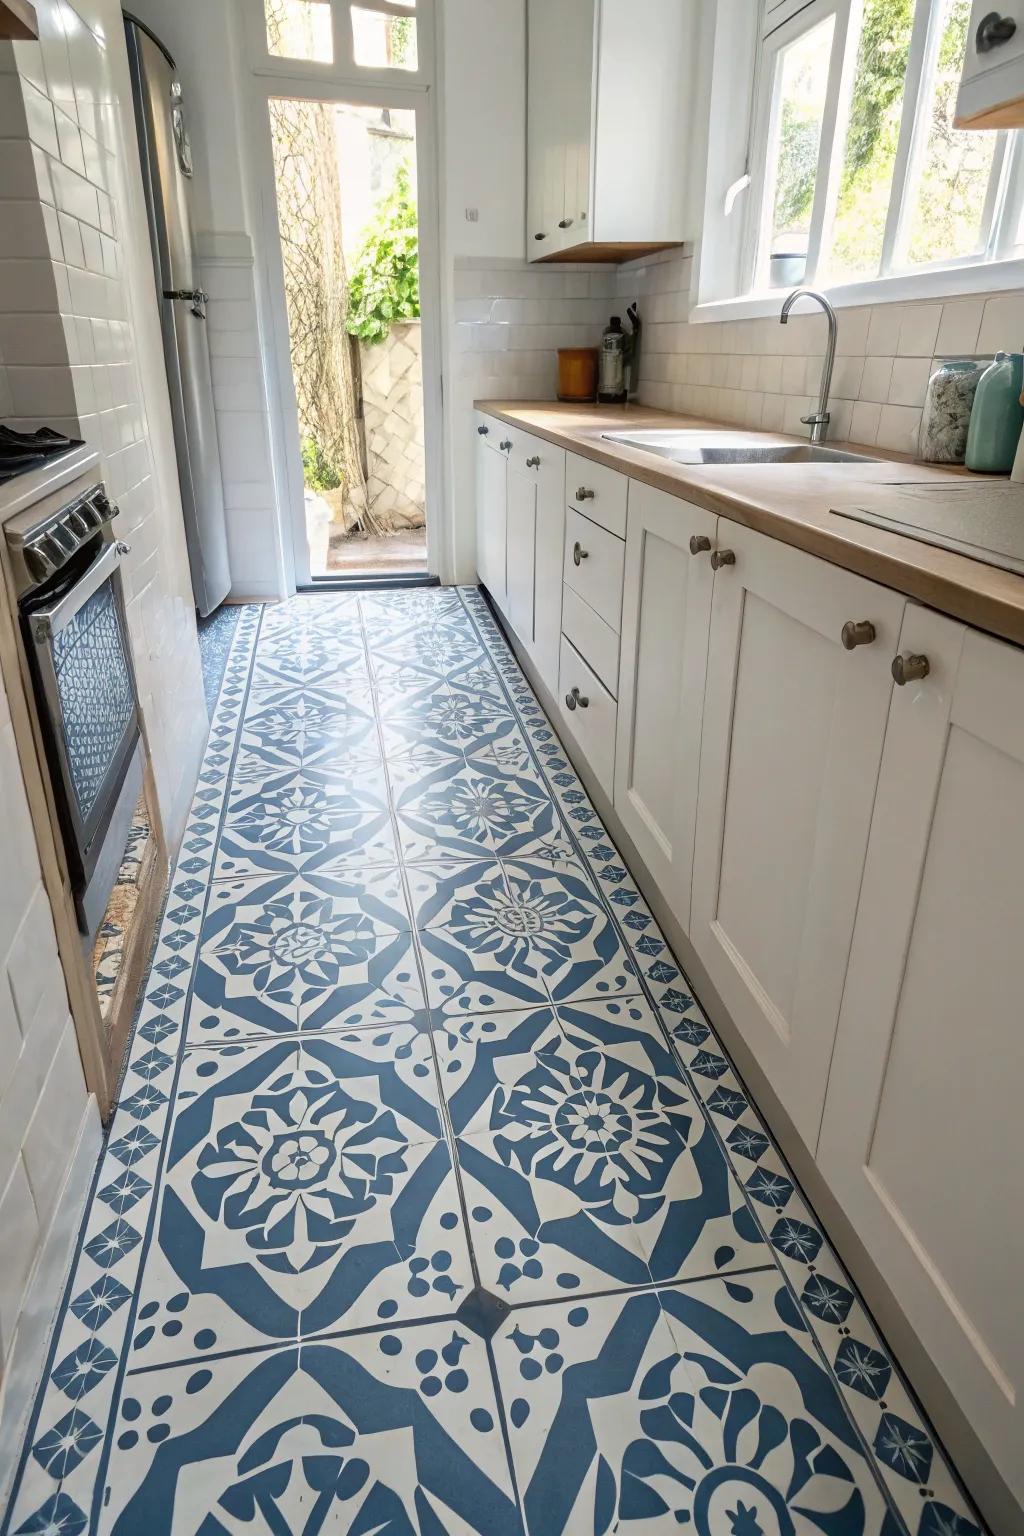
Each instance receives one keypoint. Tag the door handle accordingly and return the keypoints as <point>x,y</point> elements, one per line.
<point>910,669</point>
<point>533,463</point>
<point>722,557</point>
<point>579,554</point>
<point>860,633</point>
<point>576,700</point>
<point>993,31</point>
<point>699,544</point>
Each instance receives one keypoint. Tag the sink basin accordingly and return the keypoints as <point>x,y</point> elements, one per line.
<point>686,447</point>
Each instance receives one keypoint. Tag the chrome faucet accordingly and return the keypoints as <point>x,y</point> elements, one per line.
<point>818,423</point>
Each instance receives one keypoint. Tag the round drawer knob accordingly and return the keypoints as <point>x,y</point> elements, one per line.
<point>576,700</point>
<point>859,633</point>
<point>910,669</point>
<point>483,431</point>
<point>533,463</point>
<point>506,445</point>
<point>583,494</point>
<point>579,554</point>
<point>699,544</point>
<point>722,557</point>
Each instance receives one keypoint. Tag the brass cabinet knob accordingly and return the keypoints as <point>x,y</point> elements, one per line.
<point>860,633</point>
<point>579,554</point>
<point>910,669</point>
<point>576,700</point>
<point>722,557</point>
<point>533,463</point>
<point>584,495</point>
<point>699,544</point>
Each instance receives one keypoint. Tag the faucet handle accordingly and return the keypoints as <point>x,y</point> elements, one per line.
<point>822,419</point>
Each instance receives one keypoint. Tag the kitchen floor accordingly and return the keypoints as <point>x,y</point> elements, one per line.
<point>432,1204</point>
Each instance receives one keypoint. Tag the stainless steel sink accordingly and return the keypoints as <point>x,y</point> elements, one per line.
<point>689,447</point>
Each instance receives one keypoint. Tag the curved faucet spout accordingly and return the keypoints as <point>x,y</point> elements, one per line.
<point>818,423</point>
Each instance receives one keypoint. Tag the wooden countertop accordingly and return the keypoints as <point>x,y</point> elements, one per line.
<point>792,503</point>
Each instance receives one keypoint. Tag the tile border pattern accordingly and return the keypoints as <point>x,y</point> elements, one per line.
<point>920,1488</point>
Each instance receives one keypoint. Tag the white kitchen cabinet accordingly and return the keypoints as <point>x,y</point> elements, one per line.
<point>535,530</point>
<point>665,622</point>
<point>992,85</point>
<point>920,1139</point>
<point>610,87</point>
<point>493,445</point>
<point>588,713</point>
<point>792,739</point>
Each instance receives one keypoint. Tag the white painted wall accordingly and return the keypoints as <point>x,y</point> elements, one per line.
<point>81,348</point>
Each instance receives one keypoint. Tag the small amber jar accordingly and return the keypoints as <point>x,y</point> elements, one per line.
<point>577,374</point>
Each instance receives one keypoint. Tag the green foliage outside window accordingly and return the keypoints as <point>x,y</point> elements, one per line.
<point>384,283</point>
<point>319,474</point>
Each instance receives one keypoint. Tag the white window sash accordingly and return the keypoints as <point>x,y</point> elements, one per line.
<point>344,68</point>
<point>784,21</point>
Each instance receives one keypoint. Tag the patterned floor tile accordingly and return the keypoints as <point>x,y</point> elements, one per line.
<point>702,1408</point>
<point>431,1203</point>
<point>382,1432</point>
<point>285,954</point>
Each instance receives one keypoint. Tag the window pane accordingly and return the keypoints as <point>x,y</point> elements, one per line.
<point>300,29</point>
<point>947,216</point>
<point>383,42</point>
<point>872,135</point>
<point>801,83</point>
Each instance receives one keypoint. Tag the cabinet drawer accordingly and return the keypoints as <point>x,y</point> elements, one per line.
<point>595,640</point>
<point>604,492</point>
<point>591,723</point>
<point>594,562</point>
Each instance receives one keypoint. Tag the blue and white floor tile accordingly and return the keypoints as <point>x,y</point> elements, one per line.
<point>432,1204</point>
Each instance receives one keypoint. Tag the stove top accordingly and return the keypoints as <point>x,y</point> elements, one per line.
<point>21,452</point>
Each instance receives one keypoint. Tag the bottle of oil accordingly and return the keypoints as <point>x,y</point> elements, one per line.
<point>611,377</point>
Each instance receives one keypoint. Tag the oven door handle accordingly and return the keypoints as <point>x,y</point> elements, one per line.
<point>47,623</point>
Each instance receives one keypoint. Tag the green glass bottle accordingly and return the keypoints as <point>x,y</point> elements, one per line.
<point>997,416</point>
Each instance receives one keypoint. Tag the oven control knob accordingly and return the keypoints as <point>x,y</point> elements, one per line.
<point>38,565</point>
<point>53,549</point>
<point>100,506</point>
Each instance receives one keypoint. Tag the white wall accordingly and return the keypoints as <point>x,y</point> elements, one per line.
<point>81,349</point>
<point>80,341</point>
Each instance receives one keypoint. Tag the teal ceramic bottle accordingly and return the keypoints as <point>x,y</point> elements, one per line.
<point>997,416</point>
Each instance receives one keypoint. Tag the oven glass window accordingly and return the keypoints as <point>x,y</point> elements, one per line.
<point>95,689</point>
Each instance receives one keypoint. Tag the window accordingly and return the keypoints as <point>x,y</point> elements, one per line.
<point>373,34</point>
<point>857,169</point>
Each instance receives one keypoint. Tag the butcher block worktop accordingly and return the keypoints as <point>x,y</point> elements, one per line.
<point>793,502</point>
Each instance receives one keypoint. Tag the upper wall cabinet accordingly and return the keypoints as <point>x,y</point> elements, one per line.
<point>992,87</point>
<point>609,93</point>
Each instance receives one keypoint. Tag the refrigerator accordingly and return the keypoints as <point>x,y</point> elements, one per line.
<point>167,172</point>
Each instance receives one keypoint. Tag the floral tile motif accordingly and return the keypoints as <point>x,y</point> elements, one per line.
<point>432,1202</point>
<point>650,1413</point>
<point>515,934</point>
<point>386,1431</point>
<point>307,1187</point>
<point>307,953</point>
<point>311,821</point>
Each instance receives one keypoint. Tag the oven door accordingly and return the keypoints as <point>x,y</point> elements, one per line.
<point>77,639</point>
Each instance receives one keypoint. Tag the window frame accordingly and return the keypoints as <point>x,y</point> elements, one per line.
<point>343,68</point>
<point>999,265</point>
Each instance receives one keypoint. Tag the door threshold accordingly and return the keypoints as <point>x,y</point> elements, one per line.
<point>368,582</point>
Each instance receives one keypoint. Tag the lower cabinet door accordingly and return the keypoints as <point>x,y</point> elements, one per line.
<point>921,1137</point>
<point>790,749</point>
<point>666,616</point>
<point>491,469</point>
<point>521,551</point>
<point>588,711</point>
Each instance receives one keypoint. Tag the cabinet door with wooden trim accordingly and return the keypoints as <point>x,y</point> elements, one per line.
<point>666,615</point>
<point>491,508</point>
<point>920,1139</point>
<point>794,723</point>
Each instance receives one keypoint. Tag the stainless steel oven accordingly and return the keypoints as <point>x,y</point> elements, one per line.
<point>66,564</point>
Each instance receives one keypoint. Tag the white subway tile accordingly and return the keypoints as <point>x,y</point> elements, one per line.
<point>41,391</point>
<point>899,428</point>
<point>864,422</point>
<point>876,378</point>
<point>1002,325</point>
<point>959,327</point>
<point>846,380</point>
<point>883,328</point>
<point>909,380</point>
<point>918,330</point>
